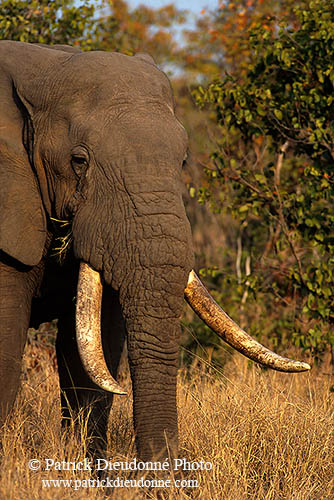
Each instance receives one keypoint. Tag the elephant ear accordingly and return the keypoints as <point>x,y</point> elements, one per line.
<point>22,215</point>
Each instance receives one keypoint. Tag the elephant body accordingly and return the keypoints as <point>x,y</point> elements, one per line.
<point>92,138</point>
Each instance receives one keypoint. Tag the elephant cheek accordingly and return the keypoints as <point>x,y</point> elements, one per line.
<point>93,239</point>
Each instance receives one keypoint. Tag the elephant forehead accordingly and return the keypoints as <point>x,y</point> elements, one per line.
<point>135,139</point>
<point>111,78</point>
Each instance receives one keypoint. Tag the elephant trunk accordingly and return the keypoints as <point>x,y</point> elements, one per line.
<point>152,316</point>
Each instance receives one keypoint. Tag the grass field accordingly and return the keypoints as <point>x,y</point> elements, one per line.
<point>267,435</point>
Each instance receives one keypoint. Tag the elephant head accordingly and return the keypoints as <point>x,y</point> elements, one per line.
<point>93,138</point>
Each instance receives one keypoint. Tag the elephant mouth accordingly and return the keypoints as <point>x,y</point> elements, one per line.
<point>88,329</point>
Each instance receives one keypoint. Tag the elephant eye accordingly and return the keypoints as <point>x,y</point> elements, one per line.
<point>79,160</point>
<point>79,163</point>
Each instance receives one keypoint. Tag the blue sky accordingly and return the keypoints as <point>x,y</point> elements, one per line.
<point>194,6</point>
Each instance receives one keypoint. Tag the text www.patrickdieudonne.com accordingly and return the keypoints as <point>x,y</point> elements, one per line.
<point>179,464</point>
<point>76,484</point>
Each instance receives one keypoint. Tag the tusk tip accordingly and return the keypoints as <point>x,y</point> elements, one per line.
<point>191,277</point>
<point>305,366</point>
<point>296,367</point>
<point>120,392</point>
<point>108,384</point>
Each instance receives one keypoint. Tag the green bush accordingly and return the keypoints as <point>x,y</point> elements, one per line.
<point>273,170</point>
<point>47,21</point>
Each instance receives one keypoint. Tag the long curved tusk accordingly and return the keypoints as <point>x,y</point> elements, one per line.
<point>209,311</point>
<point>88,329</point>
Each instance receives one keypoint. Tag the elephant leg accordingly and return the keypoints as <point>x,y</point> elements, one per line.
<point>78,392</point>
<point>18,284</point>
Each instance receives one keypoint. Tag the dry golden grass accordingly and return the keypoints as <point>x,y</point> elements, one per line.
<point>268,436</point>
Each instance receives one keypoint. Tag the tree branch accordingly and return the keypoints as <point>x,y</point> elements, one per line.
<point>277,180</point>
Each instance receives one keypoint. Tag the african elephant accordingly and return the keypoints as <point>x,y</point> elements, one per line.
<point>92,138</point>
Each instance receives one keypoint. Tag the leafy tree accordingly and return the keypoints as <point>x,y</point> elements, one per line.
<point>142,29</point>
<point>47,21</point>
<point>220,40</point>
<point>109,25</point>
<point>273,167</point>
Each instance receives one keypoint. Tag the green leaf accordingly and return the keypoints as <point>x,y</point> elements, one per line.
<point>192,192</point>
<point>278,113</point>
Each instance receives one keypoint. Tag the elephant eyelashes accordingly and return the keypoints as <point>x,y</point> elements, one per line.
<point>79,160</point>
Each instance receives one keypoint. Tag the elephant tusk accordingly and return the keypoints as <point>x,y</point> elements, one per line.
<point>211,313</point>
<point>88,329</point>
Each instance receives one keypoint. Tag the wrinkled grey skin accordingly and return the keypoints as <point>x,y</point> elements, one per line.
<point>93,138</point>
